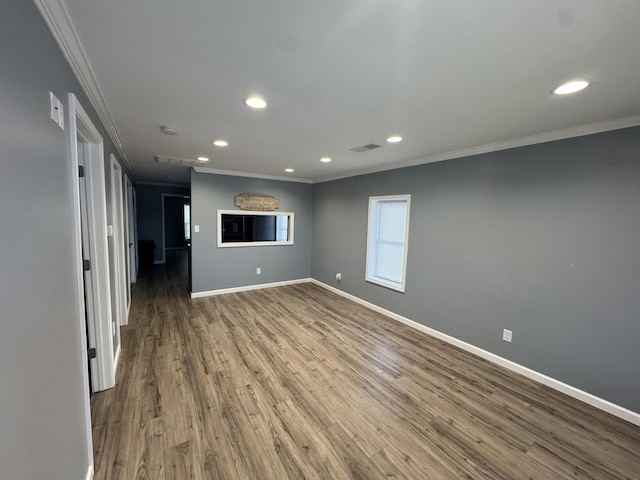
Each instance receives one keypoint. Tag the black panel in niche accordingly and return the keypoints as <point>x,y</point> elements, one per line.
<point>254,228</point>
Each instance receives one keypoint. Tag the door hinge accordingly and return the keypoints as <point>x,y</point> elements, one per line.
<point>80,171</point>
<point>92,353</point>
<point>86,264</point>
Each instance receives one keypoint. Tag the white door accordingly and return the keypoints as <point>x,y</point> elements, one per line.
<point>90,226</point>
<point>133,234</point>
<point>119,283</point>
<point>88,281</point>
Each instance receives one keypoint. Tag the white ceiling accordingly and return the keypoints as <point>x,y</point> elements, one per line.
<point>449,76</point>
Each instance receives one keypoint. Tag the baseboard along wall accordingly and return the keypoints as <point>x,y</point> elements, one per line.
<point>586,397</point>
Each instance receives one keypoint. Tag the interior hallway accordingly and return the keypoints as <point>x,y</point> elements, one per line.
<point>296,382</point>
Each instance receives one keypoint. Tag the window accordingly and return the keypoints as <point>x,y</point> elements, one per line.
<point>387,240</point>
<point>245,228</point>
<point>186,218</point>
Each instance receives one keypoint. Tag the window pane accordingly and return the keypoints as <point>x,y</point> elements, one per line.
<point>389,261</point>
<point>187,221</point>
<point>282,228</point>
<point>391,223</point>
<point>387,234</point>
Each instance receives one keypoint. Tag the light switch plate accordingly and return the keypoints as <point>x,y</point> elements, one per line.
<point>53,108</point>
<point>56,110</point>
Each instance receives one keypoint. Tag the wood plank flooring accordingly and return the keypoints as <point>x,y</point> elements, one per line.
<point>298,383</point>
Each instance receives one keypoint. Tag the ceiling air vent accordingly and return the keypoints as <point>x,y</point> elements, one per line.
<point>179,162</point>
<point>364,148</point>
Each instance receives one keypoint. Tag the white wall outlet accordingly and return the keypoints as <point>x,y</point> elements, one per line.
<point>196,228</point>
<point>507,335</point>
<point>258,270</point>
<point>338,277</point>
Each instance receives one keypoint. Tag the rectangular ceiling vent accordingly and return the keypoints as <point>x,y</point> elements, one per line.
<point>364,148</point>
<point>179,162</point>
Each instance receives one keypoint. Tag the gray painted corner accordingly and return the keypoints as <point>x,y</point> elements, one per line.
<point>217,268</point>
<point>541,240</point>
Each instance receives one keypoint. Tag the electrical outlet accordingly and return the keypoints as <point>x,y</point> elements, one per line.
<point>258,271</point>
<point>196,228</point>
<point>507,335</point>
<point>338,276</point>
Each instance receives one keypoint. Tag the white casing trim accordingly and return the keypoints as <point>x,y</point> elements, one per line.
<point>90,472</point>
<point>99,301</point>
<point>605,405</point>
<point>246,288</point>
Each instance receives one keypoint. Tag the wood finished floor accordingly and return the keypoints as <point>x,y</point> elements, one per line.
<point>298,383</point>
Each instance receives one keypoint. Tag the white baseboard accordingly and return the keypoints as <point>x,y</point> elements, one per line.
<point>89,471</point>
<point>246,288</point>
<point>574,392</point>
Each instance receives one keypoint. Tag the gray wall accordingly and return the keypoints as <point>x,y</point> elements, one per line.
<point>149,212</point>
<point>216,268</point>
<point>542,240</point>
<point>42,429</point>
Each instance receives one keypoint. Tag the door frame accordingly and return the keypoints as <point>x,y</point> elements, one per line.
<point>119,272</point>
<point>132,233</point>
<point>163,197</point>
<point>97,314</point>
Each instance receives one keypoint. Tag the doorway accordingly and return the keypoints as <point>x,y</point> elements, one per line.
<point>117,245</point>
<point>132,234</point>
<point>176,221</point>
<point>87,161</point>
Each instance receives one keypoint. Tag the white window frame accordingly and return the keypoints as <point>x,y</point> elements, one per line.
<point>372,237</point>
<point>222,244</point>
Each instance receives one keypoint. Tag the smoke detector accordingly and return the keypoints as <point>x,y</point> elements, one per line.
<point>169,130</point>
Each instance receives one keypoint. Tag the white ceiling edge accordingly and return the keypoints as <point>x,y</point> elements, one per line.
<point>235,173</point>
<point>58,20</point>
<point>573,132</point>
<point>580,131</point>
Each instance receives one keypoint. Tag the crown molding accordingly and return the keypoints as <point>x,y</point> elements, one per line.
<point>56,16</point>
<point>235,173</point>
<point>580,131</point>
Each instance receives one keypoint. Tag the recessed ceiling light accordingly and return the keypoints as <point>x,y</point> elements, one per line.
<point>571,87</point>
<point>394,139</point>
<point>203,159</point>
<point>325,159</point>
<point>169,130</point>
<point>289,170</point>
<point>255,101</point>
<point>220,143</point>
